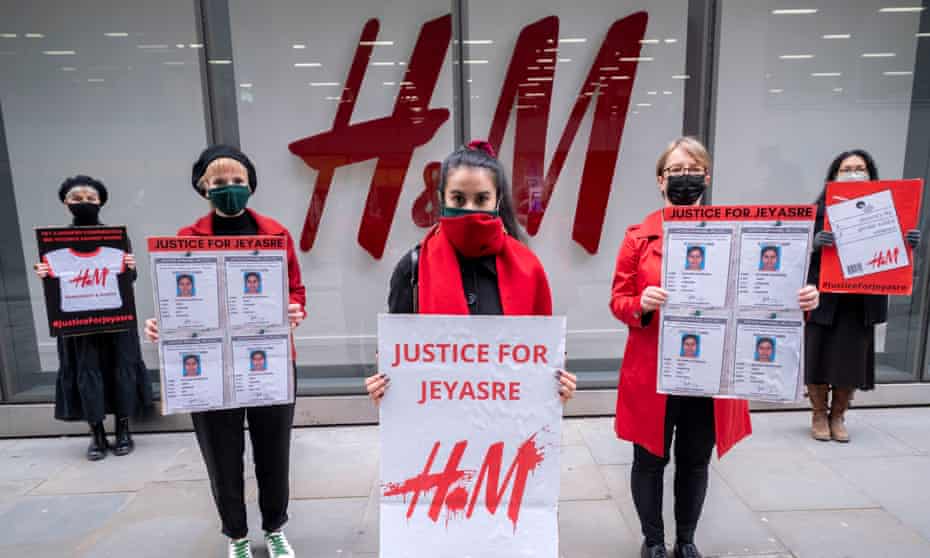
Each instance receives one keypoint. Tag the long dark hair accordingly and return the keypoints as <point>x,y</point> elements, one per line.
<point>834,168</point>
<point>480,154</point>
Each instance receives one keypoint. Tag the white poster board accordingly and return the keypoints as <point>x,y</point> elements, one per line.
<point>732,326</point>
<point>224,334</point>
<point>470,435</point>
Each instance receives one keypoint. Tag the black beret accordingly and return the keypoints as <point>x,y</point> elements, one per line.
<point>215,152</point>
<point>83,180</point>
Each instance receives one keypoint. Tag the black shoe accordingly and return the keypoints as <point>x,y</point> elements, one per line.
<point>655,551</point>
<point>97,449</point>
<point>124,444</point>
<point>686,550</point>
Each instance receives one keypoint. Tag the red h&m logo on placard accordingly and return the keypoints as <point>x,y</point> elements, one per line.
<point>457,500</point>
<point>527,88</point>
<point>881,259</point>
<point>85,279</point>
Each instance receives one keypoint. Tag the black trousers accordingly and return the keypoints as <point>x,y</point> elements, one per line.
<point>691,420</point>
<point>221,438</point>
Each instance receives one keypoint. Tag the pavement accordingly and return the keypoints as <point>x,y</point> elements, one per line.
<point>778,494</point>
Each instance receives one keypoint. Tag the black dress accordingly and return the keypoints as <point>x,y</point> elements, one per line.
<point>100,374</point>
<point>839,339</point>
<point>479,283</point>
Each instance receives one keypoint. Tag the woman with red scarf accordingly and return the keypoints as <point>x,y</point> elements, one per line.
<point>650,419</point>
<point>474,260</point>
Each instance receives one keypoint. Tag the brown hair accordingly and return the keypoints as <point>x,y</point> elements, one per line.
<point>691,146</point>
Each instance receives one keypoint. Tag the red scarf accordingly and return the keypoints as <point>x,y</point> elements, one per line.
<point>521,279</point>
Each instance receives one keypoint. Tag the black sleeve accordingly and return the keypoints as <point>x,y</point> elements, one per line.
<point>132,273</point>
<point>400,298</point>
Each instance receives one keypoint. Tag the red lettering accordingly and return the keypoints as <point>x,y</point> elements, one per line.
<point>498,390</point>
<point>482,391</point>
<point>435,390</point>
<point>450,388</point>
<point>521,354</point>
<point>514,391</point>
<point>467,391</point>
<point>539,354</point>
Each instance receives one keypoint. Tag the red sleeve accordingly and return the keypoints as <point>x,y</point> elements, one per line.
<point>298,293</point>
<point>624,296</point>
<point>51,270</point>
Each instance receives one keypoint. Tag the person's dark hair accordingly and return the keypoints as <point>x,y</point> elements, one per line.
<point>689,336</point>
<point>83,180</point>
<point>762,340</point>
<point>768,249</point>
<point>696,249</point>
<point>480,154</point>
<point>191,357</point>
<point>253,274</point>
<point>264,356</point>
<point>834,168</point>
<point>185,276</point>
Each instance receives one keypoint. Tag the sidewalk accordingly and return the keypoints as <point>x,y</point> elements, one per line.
<point>778,494</point>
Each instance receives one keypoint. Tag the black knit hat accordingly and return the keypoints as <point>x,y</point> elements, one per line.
<point>215,152</point>
<point>83,180</point>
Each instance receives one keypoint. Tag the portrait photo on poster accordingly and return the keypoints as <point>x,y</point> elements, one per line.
<point>770,258</point>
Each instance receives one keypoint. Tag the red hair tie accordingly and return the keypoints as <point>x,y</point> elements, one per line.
<point>482,145</point>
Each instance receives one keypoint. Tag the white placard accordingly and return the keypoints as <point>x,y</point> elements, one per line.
<point>868,234</point>
<point>475,397</point>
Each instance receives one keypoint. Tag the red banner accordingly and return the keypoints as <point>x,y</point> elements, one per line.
<point>906,196</point>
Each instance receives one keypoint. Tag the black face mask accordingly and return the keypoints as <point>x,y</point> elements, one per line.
<point>85,214</point>
<point>685,189</point>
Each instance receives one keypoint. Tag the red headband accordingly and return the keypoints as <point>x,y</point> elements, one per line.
<point>482,145</point>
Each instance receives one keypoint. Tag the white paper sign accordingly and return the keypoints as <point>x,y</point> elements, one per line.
<point>768,358</point>
<point>193,374</point>
<point>256,291</point>
<point>692,354</point>
<point>697,266</point>
<point>261,369</point>
<point>868,235</point>
<point>470,434</point>
<point>187,290</point>
<point>773,262</point>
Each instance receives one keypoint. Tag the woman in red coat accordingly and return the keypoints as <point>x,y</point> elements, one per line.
<point>644,416</point>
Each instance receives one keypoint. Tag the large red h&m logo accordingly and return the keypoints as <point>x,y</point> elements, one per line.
<point>527,87</point>
<point>86,279</point>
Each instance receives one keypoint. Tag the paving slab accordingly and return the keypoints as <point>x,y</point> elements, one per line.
<point>594,529</point>
<point>581,478</point>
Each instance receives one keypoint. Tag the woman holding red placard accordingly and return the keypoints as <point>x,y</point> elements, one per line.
<point>474,261</point>
<point>644,416</point>
<point>840,334</point>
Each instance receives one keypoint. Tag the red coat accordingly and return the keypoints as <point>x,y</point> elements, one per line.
<point>266,226</point>
<point>640,409</point>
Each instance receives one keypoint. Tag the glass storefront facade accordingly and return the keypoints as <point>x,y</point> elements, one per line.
<point>346,109</point>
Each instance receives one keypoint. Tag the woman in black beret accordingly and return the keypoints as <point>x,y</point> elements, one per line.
<point>100,373</point>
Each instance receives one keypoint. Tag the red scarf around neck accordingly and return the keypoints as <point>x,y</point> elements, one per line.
<point>522,282</point>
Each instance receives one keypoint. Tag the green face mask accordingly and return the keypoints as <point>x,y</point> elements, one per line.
<point>231,199</point>
<point>461,212</point>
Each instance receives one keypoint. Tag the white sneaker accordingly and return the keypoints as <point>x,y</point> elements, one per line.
<point>239,548</point>
<point>278,547</point>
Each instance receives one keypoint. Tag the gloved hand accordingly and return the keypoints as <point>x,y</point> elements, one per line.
<point>823,238</point>
<point>913,237</point>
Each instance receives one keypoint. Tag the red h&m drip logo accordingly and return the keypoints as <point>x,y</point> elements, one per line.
<point>527,88</point>
<point>456,499</point>
<point>86,279</point>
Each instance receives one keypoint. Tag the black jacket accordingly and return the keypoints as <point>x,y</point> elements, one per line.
<point>875,306</point>
<point>479,283</point>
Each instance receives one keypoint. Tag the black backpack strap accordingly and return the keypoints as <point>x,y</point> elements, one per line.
<point>414,277</point>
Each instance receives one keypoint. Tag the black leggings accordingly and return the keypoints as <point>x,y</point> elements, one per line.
<point>692,421</point>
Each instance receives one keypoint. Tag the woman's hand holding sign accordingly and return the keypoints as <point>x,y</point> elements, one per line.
<point>376,386</point>
<point>567,384</point>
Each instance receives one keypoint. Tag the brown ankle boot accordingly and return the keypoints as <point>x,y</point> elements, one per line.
<point>820,427</point>
<point>838,406</point>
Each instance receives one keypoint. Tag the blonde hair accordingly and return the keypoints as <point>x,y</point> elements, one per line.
<point>222,165</point>
<point>691,146</point>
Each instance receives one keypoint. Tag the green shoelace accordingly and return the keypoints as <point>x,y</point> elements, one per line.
<point>241,548</point>
<point>278,544</point>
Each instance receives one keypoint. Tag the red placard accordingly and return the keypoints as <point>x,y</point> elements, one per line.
<point>906,195</point>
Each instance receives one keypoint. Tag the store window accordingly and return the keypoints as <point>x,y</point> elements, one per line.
<point>105,88</point>
<point>798,85</point>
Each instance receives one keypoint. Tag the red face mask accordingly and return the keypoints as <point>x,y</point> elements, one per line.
<point>475,235</point>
